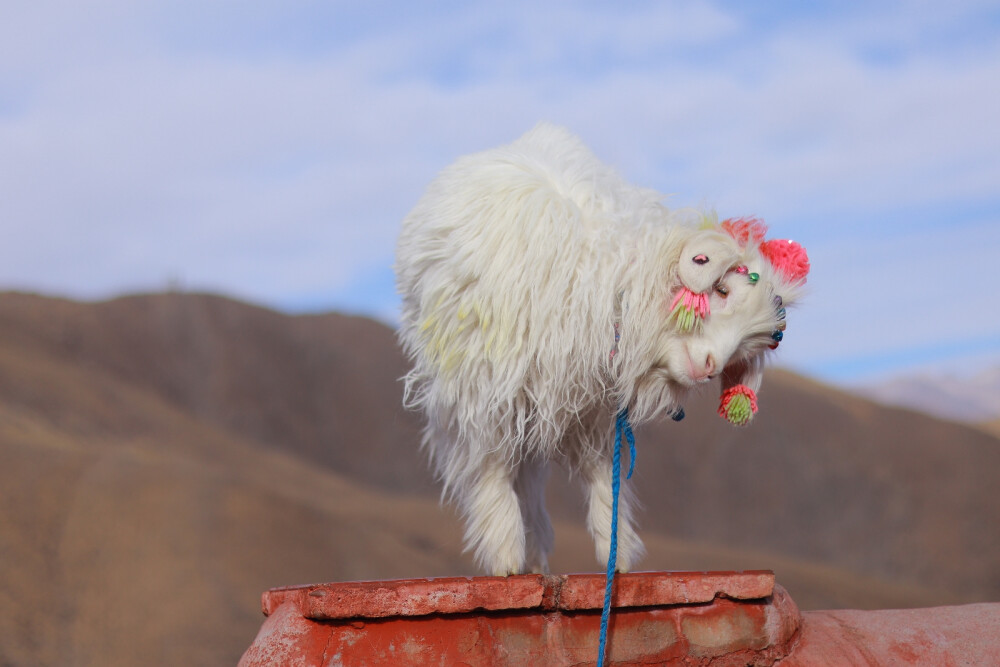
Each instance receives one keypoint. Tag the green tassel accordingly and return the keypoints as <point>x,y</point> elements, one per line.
<point>738,410</point>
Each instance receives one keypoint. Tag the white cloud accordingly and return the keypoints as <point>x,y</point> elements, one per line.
<point>270,151</point>
<point>887,301</point>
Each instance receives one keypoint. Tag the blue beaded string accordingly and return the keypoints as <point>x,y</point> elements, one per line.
<point>622,425</point>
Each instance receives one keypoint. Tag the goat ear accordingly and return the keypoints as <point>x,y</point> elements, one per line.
<point>705,259</point>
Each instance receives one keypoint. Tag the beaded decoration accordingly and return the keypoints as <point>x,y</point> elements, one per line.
<point>744,271</point>
<point>779,332</point>
<point>688,309</point>
<point>738,405</point>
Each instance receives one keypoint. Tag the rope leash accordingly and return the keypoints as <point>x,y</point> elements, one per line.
<point>622,426</point>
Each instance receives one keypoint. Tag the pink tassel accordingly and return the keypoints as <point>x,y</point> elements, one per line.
<point>688,309</point>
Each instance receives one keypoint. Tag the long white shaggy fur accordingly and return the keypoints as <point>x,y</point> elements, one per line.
<point>517,268</point>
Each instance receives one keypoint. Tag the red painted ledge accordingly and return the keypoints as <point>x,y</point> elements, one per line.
<point>660,618</point>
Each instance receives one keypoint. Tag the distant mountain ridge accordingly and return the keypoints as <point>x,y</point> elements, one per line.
<point>971,398</point>
<point>167,457</point>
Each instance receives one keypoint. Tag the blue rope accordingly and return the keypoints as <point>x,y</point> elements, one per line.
<point>622,425</point>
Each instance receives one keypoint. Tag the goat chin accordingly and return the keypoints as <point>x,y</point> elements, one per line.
<point>537,291</point>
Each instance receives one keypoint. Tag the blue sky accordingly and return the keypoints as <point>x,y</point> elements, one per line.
<point>269,150</point>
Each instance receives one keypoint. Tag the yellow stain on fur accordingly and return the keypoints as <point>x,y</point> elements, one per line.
<point>453,360</point>
<point>448,338</point>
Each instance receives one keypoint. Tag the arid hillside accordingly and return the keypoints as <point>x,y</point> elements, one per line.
<point>165,458</point>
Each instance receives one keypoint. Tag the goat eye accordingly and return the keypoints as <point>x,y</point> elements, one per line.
<point>721,290</point>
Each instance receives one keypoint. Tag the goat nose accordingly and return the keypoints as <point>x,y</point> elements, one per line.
<point>709,365</point>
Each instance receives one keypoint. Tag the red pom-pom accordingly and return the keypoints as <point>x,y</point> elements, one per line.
<point>745,230</point>
<point>738,405</point>
<point>788,257</point>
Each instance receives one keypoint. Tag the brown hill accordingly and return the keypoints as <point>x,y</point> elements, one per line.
<point>827,477</point>
<point>295,383</point>
<point>168,457</point>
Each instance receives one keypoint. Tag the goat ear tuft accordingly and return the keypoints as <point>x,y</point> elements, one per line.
<point>745,231</point>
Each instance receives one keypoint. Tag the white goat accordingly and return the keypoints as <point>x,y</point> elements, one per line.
<point>542,294</point>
